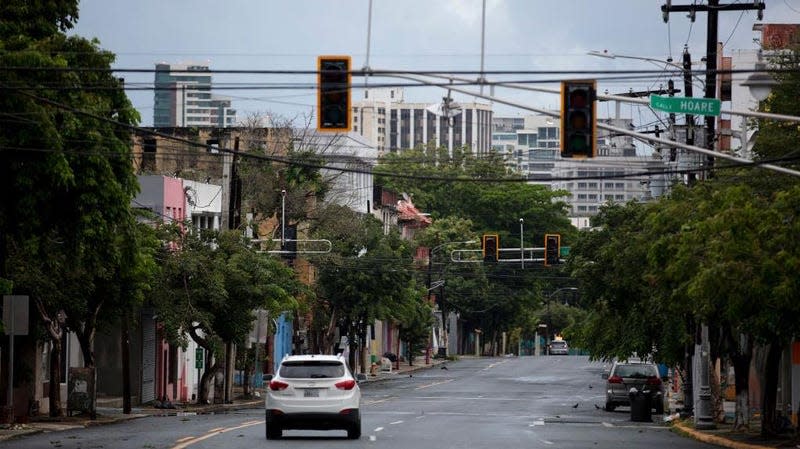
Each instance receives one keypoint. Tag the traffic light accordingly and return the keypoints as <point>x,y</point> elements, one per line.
<point>578,119</point>
<point>491,247</point>
<point>552,249</point>
<point>333,93</point>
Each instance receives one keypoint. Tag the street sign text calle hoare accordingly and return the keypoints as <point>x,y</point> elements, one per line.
<point>684,105</point>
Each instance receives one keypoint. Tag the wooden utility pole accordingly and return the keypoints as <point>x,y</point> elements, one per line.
<point>232,220</point>
<point>712,8</point>
<point>703,418</point>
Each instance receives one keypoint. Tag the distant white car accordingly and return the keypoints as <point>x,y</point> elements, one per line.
<point>559,347</point>
<point>313,392</point>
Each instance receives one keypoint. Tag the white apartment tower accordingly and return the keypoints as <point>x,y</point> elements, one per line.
<point>388,123</point>
<point>183,98</point>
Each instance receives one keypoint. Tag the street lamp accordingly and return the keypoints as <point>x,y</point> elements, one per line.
<point>760,82</point>
<point>668,62</point>
<point>562,289</point>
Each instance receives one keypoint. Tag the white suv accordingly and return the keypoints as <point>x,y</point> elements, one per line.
<point>313,392</point>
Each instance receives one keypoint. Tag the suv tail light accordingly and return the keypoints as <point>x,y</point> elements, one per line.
<point>276,385</point>
<point>653,380</point>
<point>346,384</point>
<point>615,380</point>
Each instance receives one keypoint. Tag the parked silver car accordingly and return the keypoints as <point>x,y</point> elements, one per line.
<point>559,347</point>
<point>639,375</point>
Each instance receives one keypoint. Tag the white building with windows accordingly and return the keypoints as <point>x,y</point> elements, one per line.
<point>618,174</point>
<point>183,98</point>
<point>388,123</point>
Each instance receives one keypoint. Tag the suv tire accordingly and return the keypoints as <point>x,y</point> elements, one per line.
<point>273,432</point>
<point>610,406</point>
<point>354,431</point>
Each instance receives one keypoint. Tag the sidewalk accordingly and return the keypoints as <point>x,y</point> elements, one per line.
<point>111,415</point>
<point>725,436</point>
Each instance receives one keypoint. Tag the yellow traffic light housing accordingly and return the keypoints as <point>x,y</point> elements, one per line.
<point>333,94</point>
<point>578,119</point>
<point>491,247</point>
<point>552,249</point>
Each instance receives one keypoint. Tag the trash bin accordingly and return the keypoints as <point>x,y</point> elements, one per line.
<point>641,404</point>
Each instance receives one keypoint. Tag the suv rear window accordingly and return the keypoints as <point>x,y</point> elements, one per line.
<point>311,369</point>
<point>560,344</point>
<point>640,371</point>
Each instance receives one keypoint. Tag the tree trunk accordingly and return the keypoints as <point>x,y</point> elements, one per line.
<point>126,366</point>
<point>54,390</point>
<point>769,402</point>
<point>204,387</point>
<point>717,398</point>
<point>741,369</point>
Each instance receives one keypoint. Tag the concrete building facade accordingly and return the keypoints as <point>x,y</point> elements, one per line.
<point>183,98</point>
<point>388,123</point>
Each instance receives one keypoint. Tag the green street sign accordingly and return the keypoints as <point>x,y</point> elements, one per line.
<point>198,358</point>
<point>683,105</point>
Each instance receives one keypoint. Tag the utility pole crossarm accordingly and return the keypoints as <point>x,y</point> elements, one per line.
<point>704,8</point>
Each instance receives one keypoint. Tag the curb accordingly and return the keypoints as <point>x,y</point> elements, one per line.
<point>689,431</point>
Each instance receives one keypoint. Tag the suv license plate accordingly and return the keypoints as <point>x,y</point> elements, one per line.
<point>310,393</point>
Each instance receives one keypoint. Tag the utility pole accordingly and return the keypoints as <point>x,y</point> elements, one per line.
<point>703,418</point>
<point>234,220</point>
<point>712,8</point>
<point>687,87</point>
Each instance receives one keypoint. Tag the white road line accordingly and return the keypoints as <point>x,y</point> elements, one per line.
<point>433,384</point>
<point>378,429</point>
<point>214,432</point>
<point>538,422</point>
<point>396,422</point>
<point>494,364</point>
<point>546,442</point>
<point>607,424</point>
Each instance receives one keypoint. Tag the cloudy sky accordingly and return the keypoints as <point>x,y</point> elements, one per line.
<point>415,35</point>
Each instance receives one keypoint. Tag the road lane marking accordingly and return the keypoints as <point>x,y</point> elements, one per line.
<point>378,401</point>
<point>433,384</point>
<point>181,440</point>
<point>538,422</point>
<point>608,424</point>
<point>396,422</point>
<point>494,364</point>
<point>546,442</point>
<point>214,432</point>
<point>378,429</point>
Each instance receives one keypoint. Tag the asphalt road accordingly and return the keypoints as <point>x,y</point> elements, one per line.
<point>528,402</point>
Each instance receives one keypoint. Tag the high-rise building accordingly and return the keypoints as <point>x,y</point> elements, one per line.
<point>531,146</point>
<point>390,124</point>
<point>183,98</point>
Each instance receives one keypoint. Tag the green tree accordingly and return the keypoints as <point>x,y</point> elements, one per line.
<point>367,276</point>
<point>210,286</point>
<point>477,195</point>
<point>65,172</point>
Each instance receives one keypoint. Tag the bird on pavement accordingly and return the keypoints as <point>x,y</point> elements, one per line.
<point>576,405</point>
<point>444,367</point>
